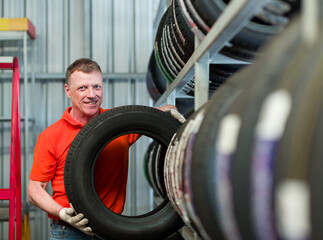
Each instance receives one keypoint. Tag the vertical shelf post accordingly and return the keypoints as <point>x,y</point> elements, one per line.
<point>201,78</point>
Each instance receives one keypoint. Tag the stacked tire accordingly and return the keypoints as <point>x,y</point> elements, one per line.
<point>154,168</point>
<point>174,41</point>
<point>155,80</point>
<point>247,164</point>
<point>269,21</point>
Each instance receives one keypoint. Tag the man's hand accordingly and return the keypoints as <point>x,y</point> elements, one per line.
<point>173,112</point>
<point>177,115</point>
<point>78,221</point>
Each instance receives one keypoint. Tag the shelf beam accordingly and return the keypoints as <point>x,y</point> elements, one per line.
<point>230,22</point>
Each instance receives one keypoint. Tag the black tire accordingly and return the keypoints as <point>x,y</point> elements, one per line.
<point>183,33</point>
<point>283,52</point>
<point>157,75</point>
<point>247,42</point>
<point>160,223</point>
<point>203,157</point>
<point>174,42</point>
<point>185,106</point>
<point>299,156</point>
<point>174,163</point>
<point>153,91</point>
<point>218,73</point>
<point>152,156</point>
<point>158,49</point>
<point>315,179</point>
<point>175,236</point>
<point>256,80</point>
<point>155,167</point>
<point>155,79</point>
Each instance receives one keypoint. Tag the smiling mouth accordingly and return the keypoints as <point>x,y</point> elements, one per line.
<point>92,102</point>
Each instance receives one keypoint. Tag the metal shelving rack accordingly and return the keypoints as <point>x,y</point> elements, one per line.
<point>230,22</point>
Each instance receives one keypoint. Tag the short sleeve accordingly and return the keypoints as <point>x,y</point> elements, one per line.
<point>44,163</point>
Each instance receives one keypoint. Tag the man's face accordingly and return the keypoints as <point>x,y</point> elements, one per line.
<point>85,90</point>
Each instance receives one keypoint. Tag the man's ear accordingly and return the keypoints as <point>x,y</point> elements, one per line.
<point>67,90</point>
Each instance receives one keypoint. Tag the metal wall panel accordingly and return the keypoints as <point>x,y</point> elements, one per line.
<point>118,34</point>
<point>55,35</point>
<point>12,8</point>
<point>121,36</point>
<point>143,33</point>
<point>76,34</point>
<point>101,33</point>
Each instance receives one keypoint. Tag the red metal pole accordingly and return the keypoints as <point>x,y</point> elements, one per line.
<point>15,156</point>
<point>13,194</point>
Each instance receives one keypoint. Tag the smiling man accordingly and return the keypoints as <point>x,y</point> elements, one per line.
<point>84,86</point>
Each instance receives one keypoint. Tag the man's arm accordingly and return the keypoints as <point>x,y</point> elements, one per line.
<point>167,107</point>
<point>38,196</point>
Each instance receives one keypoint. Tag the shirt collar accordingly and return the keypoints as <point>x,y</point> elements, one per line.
<point>67,117</point>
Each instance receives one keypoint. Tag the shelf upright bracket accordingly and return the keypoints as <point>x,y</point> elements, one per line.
<point>201,78</point>
<point>171,98</point>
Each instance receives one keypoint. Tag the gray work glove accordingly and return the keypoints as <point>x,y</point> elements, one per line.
<point>176,114</point>
<point>75,220</point>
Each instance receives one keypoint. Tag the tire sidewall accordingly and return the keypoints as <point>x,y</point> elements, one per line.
<point>109,125</point>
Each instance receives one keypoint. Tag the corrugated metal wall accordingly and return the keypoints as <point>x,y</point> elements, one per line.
<point>118,34</point>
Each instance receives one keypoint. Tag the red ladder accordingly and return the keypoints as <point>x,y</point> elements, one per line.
<point>13,194</point>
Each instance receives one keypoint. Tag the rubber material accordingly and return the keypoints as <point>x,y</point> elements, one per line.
<point>247,42</point>
<point>79,167</point>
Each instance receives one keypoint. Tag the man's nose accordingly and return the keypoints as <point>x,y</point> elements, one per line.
<point>91,93</point>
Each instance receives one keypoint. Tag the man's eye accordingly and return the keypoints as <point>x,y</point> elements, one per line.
<point>97,86</point>
<point>81,88</point>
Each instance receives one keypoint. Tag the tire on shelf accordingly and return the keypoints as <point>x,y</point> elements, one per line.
<point>202,158</point>
<point>255,81</point>
<point>245,44</point>
<point>170,49</point>
<point>183,36</point>
<point>156,168</point>
<point>178,169</point>
<point>299,157</point>
<point>152,89</point>
<point>315,179</point>
<point>218,73</point>
<point>174,42</point>
<point>284,53</point>
<point>158,49</point>
<point>154,158</point>
<point>159,223</point>
<point>173,169</point>
<point>155,79</point>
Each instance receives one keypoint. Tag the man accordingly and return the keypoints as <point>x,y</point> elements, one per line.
<point>84,86</point>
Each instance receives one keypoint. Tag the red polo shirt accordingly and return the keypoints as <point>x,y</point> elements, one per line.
<point>111,169</point>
